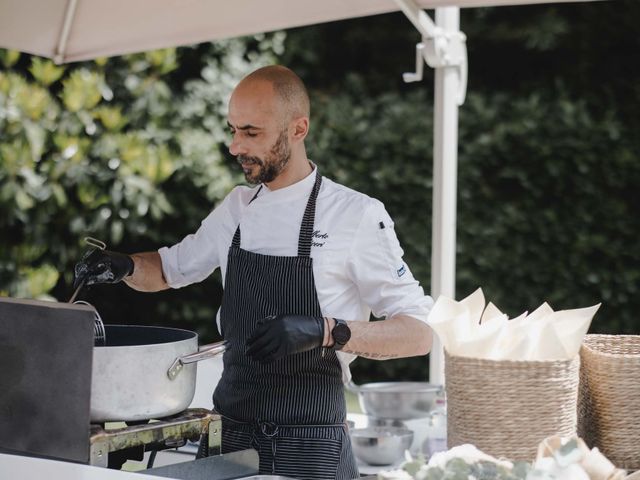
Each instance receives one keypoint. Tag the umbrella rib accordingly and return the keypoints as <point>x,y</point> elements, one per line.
<point>419,18</point>
<point>66,28</point>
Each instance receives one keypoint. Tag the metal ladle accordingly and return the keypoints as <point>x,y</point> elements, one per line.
<point>99,334</point>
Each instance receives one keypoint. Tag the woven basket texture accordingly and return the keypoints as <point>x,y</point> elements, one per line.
<point>506,408</point>
<point>609,399</point>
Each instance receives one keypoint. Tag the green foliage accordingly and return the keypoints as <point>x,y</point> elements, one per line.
<point>545,204</point>
<point>45,71</point>
<point>126,150</point>
<point>546,207</point>
<point>8,58</point>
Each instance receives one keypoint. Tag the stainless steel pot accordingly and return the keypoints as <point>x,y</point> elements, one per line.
<point>397,400</point>
<point>145,372</point>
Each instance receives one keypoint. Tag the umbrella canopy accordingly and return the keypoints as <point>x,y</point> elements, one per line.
<point>74,30</point>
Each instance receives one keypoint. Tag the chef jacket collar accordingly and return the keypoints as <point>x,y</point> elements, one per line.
<point>299,189</point>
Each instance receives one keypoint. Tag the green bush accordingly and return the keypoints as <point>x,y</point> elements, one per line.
<point>128,150</point>
<point>545,198</point>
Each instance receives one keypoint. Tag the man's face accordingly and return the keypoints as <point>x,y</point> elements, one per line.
<point>265,169</point>
<point>260,140</point>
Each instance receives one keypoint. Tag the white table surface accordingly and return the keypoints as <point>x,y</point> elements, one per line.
<point>29,468</point>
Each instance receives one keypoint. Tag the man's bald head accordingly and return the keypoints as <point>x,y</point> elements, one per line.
<point>290,90</point>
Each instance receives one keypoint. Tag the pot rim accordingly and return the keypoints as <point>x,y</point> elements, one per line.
<point>399,387</point>
<point>190,335</point>
<point>381,431</point>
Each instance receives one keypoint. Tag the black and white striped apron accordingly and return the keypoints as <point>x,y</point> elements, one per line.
<point>292,411</point>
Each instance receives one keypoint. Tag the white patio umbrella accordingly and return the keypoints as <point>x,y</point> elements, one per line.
<point>74,30</point>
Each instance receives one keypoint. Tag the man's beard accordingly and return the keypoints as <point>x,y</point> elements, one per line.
<point>272,165</point>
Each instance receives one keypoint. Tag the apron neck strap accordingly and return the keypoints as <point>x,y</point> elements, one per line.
<point>236,236</point>
<point>306,229</point>
<point>308,219</point>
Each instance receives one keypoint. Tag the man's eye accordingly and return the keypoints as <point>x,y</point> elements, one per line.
<point>252,134</point>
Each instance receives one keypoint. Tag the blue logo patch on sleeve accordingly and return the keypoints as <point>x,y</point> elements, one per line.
<point>401,271</point>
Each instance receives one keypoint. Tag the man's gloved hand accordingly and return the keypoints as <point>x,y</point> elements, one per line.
<point>102,266</point>
<point>281,335</point>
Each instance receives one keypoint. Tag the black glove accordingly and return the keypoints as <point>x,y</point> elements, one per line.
<point>276,337</point>
<point>102,266</point>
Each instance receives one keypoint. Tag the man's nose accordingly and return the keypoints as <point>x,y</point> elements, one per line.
<point>236,147</point>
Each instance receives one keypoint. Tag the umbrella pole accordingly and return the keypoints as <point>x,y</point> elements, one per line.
<point>443,47</point>
<point>445,178</point>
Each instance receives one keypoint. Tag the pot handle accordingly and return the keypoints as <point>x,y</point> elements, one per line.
<point>204,352</point>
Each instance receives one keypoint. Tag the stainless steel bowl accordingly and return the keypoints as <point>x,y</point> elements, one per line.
<point>385,422</point>
<point>380,445</point>
<point>397,400</point>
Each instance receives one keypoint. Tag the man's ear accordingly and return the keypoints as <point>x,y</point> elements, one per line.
<point>299,128</point>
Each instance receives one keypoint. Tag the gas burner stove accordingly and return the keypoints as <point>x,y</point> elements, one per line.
<point>111,447</point>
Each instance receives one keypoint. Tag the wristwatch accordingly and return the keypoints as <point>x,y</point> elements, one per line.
<point>341,334</point>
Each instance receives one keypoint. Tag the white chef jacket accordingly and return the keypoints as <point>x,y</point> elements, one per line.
<point>357,259</point>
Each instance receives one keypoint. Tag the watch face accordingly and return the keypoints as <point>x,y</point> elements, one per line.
<point>341,333</point>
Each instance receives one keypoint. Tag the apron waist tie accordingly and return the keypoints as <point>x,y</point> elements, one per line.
<point>268,430</point>
<point>264,429</point>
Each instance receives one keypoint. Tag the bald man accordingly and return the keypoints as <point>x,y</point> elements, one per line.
<point>304,263</point>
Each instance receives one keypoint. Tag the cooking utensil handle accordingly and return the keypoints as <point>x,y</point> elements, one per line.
<point>75,294</point>
<point>203,353</point>
<point>92,242</point>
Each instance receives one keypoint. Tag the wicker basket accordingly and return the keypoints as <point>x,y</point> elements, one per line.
<point>506,408</point>
<point>609,400</point>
